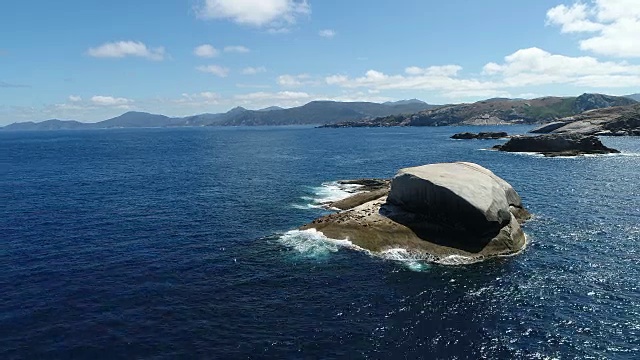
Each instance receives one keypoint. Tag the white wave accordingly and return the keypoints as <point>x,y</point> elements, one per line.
<point>327,193</point>
<point>525,153</point>
<point>457,260</point>
<point>306,206</point>
<point>413,260</point>
<point>313,243</point>
<point>334,191</point>
<point>419,259</point>
<point>534,154</point>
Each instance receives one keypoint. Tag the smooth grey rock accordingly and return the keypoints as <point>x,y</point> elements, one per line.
<point>548,128</point>
<point>463,196</point>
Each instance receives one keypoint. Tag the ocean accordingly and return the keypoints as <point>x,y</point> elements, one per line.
<point>182,243</point>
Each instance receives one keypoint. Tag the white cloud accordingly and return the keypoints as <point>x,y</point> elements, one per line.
<point>110,101</point>
<point>278,30</point>
<point>254,12</point>
<point>613,26</point>
<point>75,98</point>
<point>327,33</point>
<point>434,80</point>
<point>282,95</point>
<point>214,70</point>
<point>69,107</point>
<point>253,86</point>
<point>199,99</point>
<point>237,49</point>
<point>254,70</point>
<point>264,99</point>
<point>446,70</point>
<point>206,51</point>
<point>522,69</point>
<point>294,80</point>
<point>535,66</point>
<point>121,49</point>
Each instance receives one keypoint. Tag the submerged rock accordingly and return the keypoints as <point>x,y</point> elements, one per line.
<point>557,145</point>
<point>441,210</point>
<point>480,135</point>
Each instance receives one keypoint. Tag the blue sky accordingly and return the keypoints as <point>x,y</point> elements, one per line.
<point>91,60</point>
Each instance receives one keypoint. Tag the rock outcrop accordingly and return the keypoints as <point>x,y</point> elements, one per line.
<point>614,121</point>
<point>556,145</point>
<point>459,209</point>
<point>480,135</point>
<point>368,190</point>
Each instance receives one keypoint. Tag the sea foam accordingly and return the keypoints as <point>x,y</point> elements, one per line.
<point>314,244</point>
<point>322,196</point>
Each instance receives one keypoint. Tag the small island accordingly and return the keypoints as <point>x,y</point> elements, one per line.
<point>480,136</point>
<point>556,145</point>
<point>437,211</point>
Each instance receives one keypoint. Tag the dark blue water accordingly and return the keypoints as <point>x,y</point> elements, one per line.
<point>168,244</point>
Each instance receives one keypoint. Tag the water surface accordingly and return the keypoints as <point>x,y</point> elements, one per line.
<point>165,243</point>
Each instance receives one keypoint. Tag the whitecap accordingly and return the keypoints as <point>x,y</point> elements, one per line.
<point>312,243</point>
<point>306,206</point>
<point>315,244</point>
<point>334,191</point>
<point>413,260</point>
<point>327,193</point>
<point>457,260</point>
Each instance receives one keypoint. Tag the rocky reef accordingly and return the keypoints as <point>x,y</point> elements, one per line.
<point>480,135</point>
<point>438,210</point>
<point>557,145</point>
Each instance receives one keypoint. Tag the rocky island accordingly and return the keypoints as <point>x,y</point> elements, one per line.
<point>556,145</point>
<point>438,211</point>
<point>480,136</point>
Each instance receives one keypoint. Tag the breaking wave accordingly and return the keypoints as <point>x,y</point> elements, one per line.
<point>314,244</point>
<point>322,196</point>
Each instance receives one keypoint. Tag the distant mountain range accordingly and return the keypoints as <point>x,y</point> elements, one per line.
<point>365,114</point>
<point>635,97</point>
<point>313,113</point>
<point>497,111</point>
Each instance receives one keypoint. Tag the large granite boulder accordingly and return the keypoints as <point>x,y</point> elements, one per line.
<point>439,210</point>
<point>461,195</point>
<point>557,145</point>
